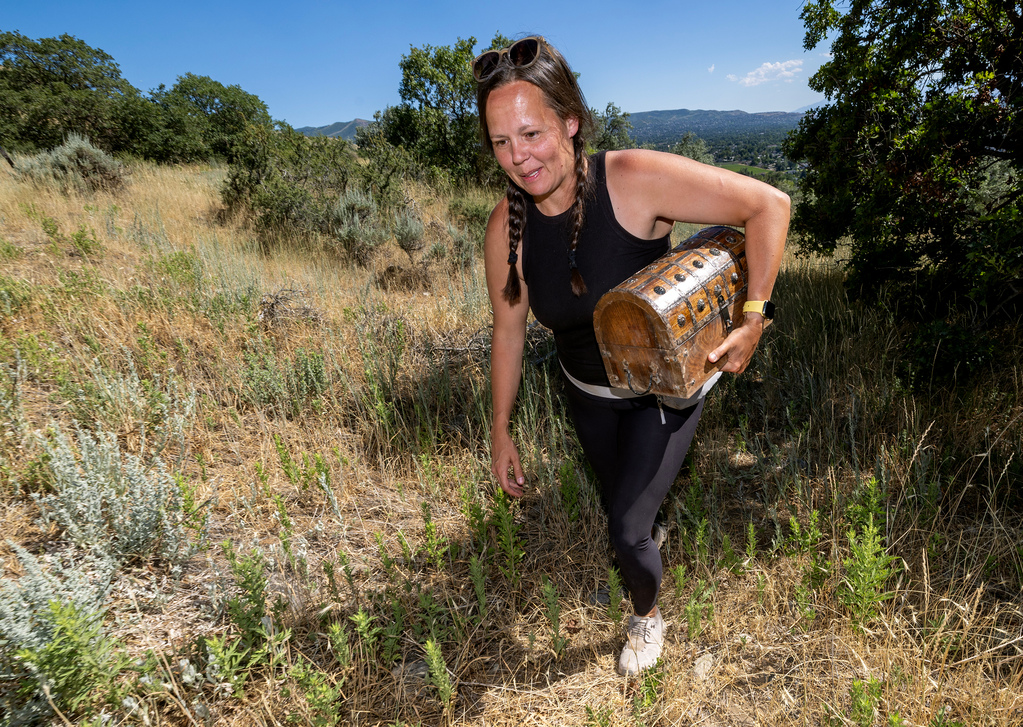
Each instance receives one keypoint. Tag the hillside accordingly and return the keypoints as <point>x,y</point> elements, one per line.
<point>339,129</point>
<point>651,127</point>
<point>257,472</point>
<point>666,127</point>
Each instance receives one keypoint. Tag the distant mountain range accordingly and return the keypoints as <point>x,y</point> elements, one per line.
<point>652,127</point>
<point>343,129</point>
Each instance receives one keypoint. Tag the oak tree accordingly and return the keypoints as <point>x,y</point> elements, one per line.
<point>53,86</point>
<point>916,159</point>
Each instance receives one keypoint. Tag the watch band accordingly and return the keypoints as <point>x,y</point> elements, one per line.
<point>763,307</point>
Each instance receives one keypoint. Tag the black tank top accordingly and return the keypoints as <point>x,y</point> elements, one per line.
<point>607,254</point>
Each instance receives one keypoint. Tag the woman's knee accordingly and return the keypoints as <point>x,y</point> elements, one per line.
<point>629,542</point>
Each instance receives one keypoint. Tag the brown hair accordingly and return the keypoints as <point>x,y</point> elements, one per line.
<point>551,74</point>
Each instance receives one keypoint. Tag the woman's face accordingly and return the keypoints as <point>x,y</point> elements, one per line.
<point>533,145</point>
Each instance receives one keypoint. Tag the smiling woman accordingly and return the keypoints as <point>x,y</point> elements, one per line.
<point>534,146</point>
<point>610,214</point>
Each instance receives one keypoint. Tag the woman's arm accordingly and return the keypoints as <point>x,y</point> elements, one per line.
<point>505,351</point>
<point>651,190</point>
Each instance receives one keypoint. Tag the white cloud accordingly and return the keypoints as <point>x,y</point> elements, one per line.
<point>732,77</point>
<point>782,71</point>
<point>711,69</point>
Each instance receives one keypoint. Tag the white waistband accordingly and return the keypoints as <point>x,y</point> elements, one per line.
<point>606,392</point>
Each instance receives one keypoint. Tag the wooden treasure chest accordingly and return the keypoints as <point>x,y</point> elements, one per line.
<point>656,328</point>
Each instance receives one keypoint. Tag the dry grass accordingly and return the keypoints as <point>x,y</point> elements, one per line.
<point>399,418</point>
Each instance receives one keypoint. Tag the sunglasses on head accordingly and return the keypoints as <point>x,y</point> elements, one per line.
<point>521,54</point>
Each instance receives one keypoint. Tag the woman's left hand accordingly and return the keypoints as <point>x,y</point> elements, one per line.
<point>737,349</point>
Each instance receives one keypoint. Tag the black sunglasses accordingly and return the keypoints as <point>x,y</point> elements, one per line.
<point>521,54</point>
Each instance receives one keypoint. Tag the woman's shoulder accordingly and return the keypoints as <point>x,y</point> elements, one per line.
<point>644,171</point>
<point>642,162</point>
<point>499,215</point>
<point>497,224</point>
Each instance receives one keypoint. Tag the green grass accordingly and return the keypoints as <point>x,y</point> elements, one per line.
<point>744,169</point>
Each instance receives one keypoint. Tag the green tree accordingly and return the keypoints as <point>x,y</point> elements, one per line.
<point>208,117</point>
<point>692,146</point>
<point>436,122</point>
<point>437,118</point>
<point>917,157</point>
<point>53,86</point>
<point>612,129</point>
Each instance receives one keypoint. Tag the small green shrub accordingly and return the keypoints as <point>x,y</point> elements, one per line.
<point>49,635</point>
<point>479,586</point>
<point>699,607</point>
<point>868,569</point>
<point>154,407</point>
<point>615,593</point>
<point>600,717</point>
<point>74,166</point>
<point>81,242</point>
<point>13,426</point>
<point>463,249</point>
<point>79,284</point>
<point>551,601</point>
<point>568,488</point>
<point>78,666</point>
<point>439,673</point>
<point>321,696</point>
<point>8,250</point>
<point>184,267</point>
<point>289,388</point>
<point>248,609</point>
<point>15,296</point>
<point>508,541</point>
<point>472,213</point>
<point>864,697</point>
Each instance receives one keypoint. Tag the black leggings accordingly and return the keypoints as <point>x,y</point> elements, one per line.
<point>636,459</point>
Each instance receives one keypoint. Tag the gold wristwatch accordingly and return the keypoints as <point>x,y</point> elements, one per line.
<point>763,307</point>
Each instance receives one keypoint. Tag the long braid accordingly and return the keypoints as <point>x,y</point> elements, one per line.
<point>516,220</point>
<point>578,213</point>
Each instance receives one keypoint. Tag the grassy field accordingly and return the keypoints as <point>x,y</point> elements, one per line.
<point>248,483</point>
<point>744,169</point>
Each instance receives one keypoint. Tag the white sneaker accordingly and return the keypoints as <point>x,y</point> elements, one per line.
<point>658,533</point>
<point>642,644</point>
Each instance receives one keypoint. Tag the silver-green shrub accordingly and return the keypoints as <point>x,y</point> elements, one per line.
<point>25,602</point>
<point>288,388</point>
<point>409,232</point>
<point>112,504</point>
<point>29,626</point>
<point>117,401</point>
<point>74,166</point>
<point>355,224</point>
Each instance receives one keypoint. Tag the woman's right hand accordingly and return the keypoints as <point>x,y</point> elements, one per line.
<point>505,464</point>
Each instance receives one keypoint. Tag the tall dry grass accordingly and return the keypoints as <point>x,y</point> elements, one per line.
<point>339,439</point>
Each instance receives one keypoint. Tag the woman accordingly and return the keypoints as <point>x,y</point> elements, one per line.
<point>570,228</point>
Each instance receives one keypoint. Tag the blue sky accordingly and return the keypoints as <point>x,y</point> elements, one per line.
<point>321,62</point>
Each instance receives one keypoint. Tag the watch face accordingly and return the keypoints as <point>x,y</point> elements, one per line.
<point>768,310</point>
